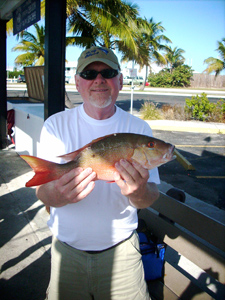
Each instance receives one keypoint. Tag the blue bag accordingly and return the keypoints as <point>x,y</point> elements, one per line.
<point>152,257</point>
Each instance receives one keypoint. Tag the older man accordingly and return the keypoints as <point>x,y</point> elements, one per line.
<point>95,249</point>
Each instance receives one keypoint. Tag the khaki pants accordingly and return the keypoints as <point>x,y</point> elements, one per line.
<point>115,274</point>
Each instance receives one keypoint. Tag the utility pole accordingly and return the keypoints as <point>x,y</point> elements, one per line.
<point>132,91</point>
<point>3,100</point>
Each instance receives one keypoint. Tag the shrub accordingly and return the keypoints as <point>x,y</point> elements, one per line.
<point>182,76</point>
<point>149,111</point>
<point>12,74</point>
<point>218,112</point>
<point>199,107</point>
<point>161,79</point>
<point>179,77</point>
<point>175,112</point>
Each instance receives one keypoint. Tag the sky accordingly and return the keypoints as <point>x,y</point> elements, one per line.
<point>192,25</point>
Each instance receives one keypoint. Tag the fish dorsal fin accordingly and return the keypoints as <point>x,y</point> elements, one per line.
<point>72,155</point>
<point>102,138</point>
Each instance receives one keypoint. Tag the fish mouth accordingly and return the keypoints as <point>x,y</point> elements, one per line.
<point>168,156</point>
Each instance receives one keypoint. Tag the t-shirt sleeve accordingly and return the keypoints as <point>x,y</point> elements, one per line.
<point>51,146</point>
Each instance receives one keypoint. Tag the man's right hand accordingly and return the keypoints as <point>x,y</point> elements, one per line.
<point>70,188</point>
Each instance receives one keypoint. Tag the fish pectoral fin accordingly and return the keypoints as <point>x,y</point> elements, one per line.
<point>70,156</point>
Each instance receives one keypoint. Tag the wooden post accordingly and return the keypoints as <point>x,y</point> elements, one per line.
<point>54,75</point>
<point>3,96</point>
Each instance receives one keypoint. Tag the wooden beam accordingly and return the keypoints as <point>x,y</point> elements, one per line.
<point>54,75</point>
<point>203,226</point>
<point>3,95</point>
<point>183,161</point>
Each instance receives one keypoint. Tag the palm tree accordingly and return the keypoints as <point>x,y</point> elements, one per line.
<point>149,38</point>
<point>33,46</point>
<point>215,64</point>
<point>99,22</point>
<point>174,58</point>
<point>153,39</point>
<point>104,23</point>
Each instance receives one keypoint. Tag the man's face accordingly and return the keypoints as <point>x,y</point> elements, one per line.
<point>99,92</point>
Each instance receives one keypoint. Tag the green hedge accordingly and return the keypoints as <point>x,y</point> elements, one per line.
<point>199,108</point>
<point>179,77</point>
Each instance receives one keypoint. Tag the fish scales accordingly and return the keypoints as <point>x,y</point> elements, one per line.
<point>102,154</point>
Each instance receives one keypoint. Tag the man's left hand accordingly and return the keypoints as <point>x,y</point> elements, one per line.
<point>132,179</point>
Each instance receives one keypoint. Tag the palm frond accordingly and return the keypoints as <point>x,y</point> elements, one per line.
<point>215,64</point>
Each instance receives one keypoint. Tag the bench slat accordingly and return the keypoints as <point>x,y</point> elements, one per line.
<point>203,226</point>
<point>206,280</point>
<point>182,286</point>
<point>183,243</point>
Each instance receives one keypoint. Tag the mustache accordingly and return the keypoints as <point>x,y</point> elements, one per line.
<point>100,86</point>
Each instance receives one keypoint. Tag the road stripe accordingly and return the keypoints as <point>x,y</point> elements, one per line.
<point>199,146</point>
<point>209,177</point>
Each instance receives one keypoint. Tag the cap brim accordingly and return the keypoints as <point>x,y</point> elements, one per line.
<point>105,61</point>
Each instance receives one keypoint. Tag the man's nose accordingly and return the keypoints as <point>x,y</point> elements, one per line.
<point>100,78</point>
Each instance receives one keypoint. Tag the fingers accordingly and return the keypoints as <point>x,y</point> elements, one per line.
<point>131,172</point>
<point>65,179</point>
<point>131,178</point>
<point>76,184</point>
<point>141,170</point>
<point>83,185</point>
<point>84,193</point>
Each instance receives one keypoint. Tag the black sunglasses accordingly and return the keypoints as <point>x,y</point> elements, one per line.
<point>92,74</point>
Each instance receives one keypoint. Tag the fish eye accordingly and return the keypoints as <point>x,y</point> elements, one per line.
<point>151,145</point>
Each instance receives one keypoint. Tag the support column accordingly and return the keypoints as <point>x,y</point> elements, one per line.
<point>3,95</point>
<point>54,75</point>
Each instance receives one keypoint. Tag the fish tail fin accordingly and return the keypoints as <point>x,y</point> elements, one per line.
<point>44,170</point>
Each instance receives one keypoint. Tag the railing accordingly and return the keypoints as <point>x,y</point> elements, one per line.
<point>11,80</point>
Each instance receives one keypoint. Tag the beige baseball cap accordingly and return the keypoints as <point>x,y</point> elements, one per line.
<point>101,54</point>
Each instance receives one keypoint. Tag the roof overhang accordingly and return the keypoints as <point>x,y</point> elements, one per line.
<point>7,7</point>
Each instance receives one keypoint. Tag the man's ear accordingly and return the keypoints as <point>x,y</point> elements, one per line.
<point>121,81</point>
<point>77,81</point>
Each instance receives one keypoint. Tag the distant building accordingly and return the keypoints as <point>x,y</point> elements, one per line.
<point>10,69</point>
<point>70,71</point>
<point>126,69</point>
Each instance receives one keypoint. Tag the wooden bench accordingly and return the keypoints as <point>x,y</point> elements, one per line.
<point>35,85</point>
<point>195,254</point>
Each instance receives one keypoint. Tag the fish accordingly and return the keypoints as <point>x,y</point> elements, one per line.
<point>101,155</point>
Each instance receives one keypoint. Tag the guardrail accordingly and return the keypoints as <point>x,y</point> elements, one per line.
<point>11,80</point>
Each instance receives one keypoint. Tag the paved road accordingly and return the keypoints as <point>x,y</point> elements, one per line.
<point>124,98</point>
<point>206,153</point>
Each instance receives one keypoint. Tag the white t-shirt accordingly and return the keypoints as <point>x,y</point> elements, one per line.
<point>104,217</point>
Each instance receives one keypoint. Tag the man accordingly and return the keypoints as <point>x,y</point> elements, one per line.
<point>95,249</point>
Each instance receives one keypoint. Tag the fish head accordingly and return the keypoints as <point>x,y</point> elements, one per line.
<point>152,152</point>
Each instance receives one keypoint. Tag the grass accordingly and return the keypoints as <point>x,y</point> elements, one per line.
<point>149,111</point>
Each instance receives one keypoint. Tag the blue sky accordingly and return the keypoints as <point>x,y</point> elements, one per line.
<point>192,25</point>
